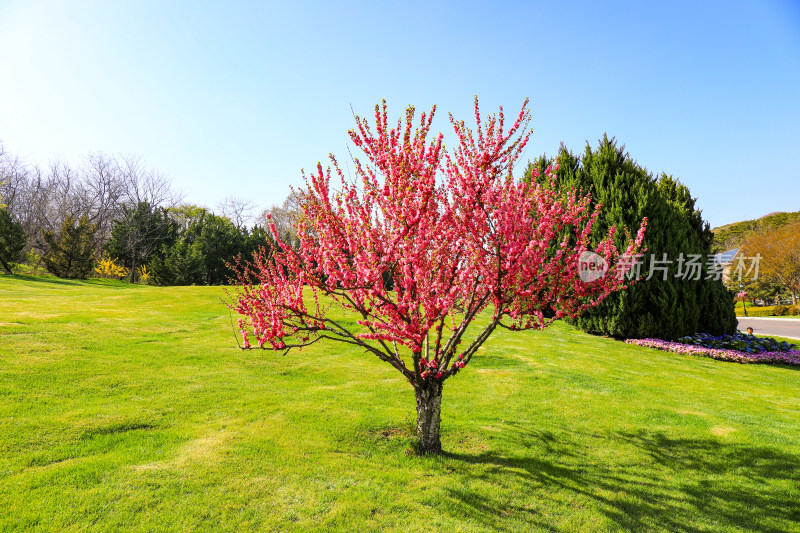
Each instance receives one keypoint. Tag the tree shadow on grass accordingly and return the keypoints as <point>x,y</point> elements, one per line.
<point>53,280</point>
<point>41,279</point>
<point>659,482</point>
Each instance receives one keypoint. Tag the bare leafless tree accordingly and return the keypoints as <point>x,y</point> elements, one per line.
<point>143,184</point>
<point>237,210</point>
<point>41,198</point>
<point>13,179</point>
<point>284,216</point>
<point>103,190</point>
<point>2,181</point>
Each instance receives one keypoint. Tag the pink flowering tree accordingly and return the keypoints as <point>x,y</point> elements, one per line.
<point>429,251</point>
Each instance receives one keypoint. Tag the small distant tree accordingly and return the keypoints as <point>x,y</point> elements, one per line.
<point>12,241</point>
<point>238,210</point>
<point>139,233</point>
<point>457,235</point>
<point>761,288</point>
<point>186,215</point>
<point>70,252</point>
<point>284,217</point>
<point>780,256</point>
<point>218,241</point>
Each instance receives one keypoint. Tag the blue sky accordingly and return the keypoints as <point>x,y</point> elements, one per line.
<point>234,98</point>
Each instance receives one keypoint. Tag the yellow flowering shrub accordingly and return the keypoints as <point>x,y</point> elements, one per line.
<point>108,268</point>
<point>143,274</point>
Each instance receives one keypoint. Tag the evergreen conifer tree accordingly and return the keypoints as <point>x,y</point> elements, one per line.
<point>139,234</point>
<point>12,240</point>
<point>70,253</point>
<point>671,303</point>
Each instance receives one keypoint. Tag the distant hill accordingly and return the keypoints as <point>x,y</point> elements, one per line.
<point>733,235</point>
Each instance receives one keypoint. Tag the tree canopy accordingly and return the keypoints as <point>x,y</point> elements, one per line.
<point>779,252</point>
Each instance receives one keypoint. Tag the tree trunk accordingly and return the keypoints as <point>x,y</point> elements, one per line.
<point>5,265</point>
<point>133,267</point>
<point>429,416</point>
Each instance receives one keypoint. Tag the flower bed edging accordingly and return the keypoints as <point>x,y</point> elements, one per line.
<point>791,357</point>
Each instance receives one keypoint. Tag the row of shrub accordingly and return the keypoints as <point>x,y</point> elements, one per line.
<point>782,310</point>
<point>777,310</point>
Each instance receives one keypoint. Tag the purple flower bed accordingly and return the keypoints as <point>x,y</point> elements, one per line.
<point>791,357</point>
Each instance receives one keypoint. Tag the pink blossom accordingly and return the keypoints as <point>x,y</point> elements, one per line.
<point>452,230</point>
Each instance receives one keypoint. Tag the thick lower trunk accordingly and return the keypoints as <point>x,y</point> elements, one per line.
<point>133,269</point>
<point>429,416</point>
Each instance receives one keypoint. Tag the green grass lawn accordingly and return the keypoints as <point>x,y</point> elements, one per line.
<point>130,407</point>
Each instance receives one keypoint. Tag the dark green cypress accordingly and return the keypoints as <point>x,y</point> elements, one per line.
<point>662,308</point>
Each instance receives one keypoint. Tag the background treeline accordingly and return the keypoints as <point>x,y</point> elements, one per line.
<point>778,280</point>
<point>776,238</point>
<point>115,217</point>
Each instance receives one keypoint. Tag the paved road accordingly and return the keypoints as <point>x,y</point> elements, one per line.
<point>780,327</point>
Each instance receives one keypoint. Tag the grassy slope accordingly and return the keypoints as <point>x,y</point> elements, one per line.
<point>130,407</point>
